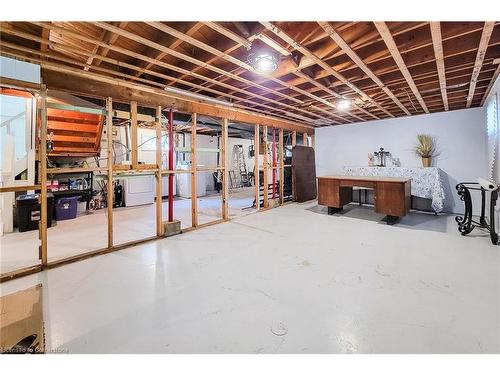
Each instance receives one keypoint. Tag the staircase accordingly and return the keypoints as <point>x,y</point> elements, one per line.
<point>74,133</point>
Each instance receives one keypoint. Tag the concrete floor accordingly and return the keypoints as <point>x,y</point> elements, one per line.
<point>288,280</point>
<point>89,231</point>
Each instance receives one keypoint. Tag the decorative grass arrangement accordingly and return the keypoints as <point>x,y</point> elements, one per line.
<point>426,146</point>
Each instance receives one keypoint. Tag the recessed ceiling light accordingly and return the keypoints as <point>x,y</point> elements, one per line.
<point>343,104</point>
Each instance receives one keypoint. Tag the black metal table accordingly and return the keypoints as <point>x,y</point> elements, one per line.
<point>466,223</point>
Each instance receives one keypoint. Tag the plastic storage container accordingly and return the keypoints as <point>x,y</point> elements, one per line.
<point>28,211</point>
<point>66,208</point>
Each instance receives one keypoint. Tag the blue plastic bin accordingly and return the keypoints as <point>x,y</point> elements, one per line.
<point>66,208</point>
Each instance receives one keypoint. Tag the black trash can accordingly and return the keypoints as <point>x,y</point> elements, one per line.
<point>28,211</point>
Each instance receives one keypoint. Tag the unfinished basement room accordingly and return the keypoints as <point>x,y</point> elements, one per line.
<point>317,186</point>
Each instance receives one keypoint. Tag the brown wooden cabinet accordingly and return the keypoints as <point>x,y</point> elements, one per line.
<point>392,195</point>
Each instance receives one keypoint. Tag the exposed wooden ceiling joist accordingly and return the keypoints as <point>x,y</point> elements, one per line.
<point>320,62</point>
<point>359,62</point>
<point>280,33</point>
<point>393,49</point>
<point>483,45</point>
<point>235,61</point>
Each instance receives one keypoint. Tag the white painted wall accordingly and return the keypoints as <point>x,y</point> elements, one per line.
<point>460,135</point>
<point>20,70</point>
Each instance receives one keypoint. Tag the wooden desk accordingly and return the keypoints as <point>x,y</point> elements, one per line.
<point>392,195</point>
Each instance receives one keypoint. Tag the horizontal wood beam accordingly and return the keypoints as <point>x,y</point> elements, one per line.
<point>95,85</point>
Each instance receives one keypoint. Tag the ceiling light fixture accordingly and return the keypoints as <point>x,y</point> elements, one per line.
<point>198,96</point>
<point>343,104</point>
<point>264,61</point>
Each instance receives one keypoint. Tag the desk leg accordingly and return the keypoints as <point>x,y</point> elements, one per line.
<point>334,210</point>
<point>391,220</point>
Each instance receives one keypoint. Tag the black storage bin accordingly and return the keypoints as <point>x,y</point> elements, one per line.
<point>28,211</point>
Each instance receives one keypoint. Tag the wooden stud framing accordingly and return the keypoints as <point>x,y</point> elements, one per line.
<point>481,51</point>
<point>171,141</point>
<point>304,139</point>
<point>159,194</point>
<point>109,136</point>
<point>43,176</point>
<point>294,138</point>
<point>194,200</point>
<point>134,135</point>
<point>282,166</point>
<point>256,141</point>
<point>265,162</point>
<point>437,41</point>
<point>386,35</point>
<point>225,175</point>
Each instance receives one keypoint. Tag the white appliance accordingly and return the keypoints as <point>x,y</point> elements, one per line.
<point>164,186</point>
<point>138,190</point>
<point>184,183</point>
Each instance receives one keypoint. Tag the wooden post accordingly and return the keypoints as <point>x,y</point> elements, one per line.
<point>43,177</point>
<point>171,165</point>
<point>133,128</point>
<point>265,162</point>
<point>109,136</point>
<point>159,219</point>
<point>282,168</point>
<point>225,179</point>
<point>256,141</point>
<point>313,143</point>
<point>274,163</point>
<point>194,206</point>
<point>304,139</point>
<point>294,142</point>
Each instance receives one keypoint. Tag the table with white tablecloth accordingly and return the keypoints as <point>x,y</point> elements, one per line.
<point>425,182</point>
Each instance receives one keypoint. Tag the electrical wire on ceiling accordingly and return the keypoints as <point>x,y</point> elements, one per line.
<point>409,97</point>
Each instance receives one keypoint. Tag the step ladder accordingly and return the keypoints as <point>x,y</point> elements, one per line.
<point>239,177</point>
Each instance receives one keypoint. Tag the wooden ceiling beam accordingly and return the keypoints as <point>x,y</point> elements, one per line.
<point>10,30</point>
<point>235,61</point>
<point>481,52</point>
<point>140,56</point>
<point>96,85</point>
<point>278,32</point>
<point>437,41</point>
<point>160,55</point>
<point>228,33</point>
<point>283,113</point>
<point>393,49</point>
<point>187,58</point>
<point>45,36</point>
<point>109,38</point>
<point>246,67</point>
<point>359,62</point>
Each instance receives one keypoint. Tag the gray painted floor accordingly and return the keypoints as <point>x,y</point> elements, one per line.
<point>288,280</point>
